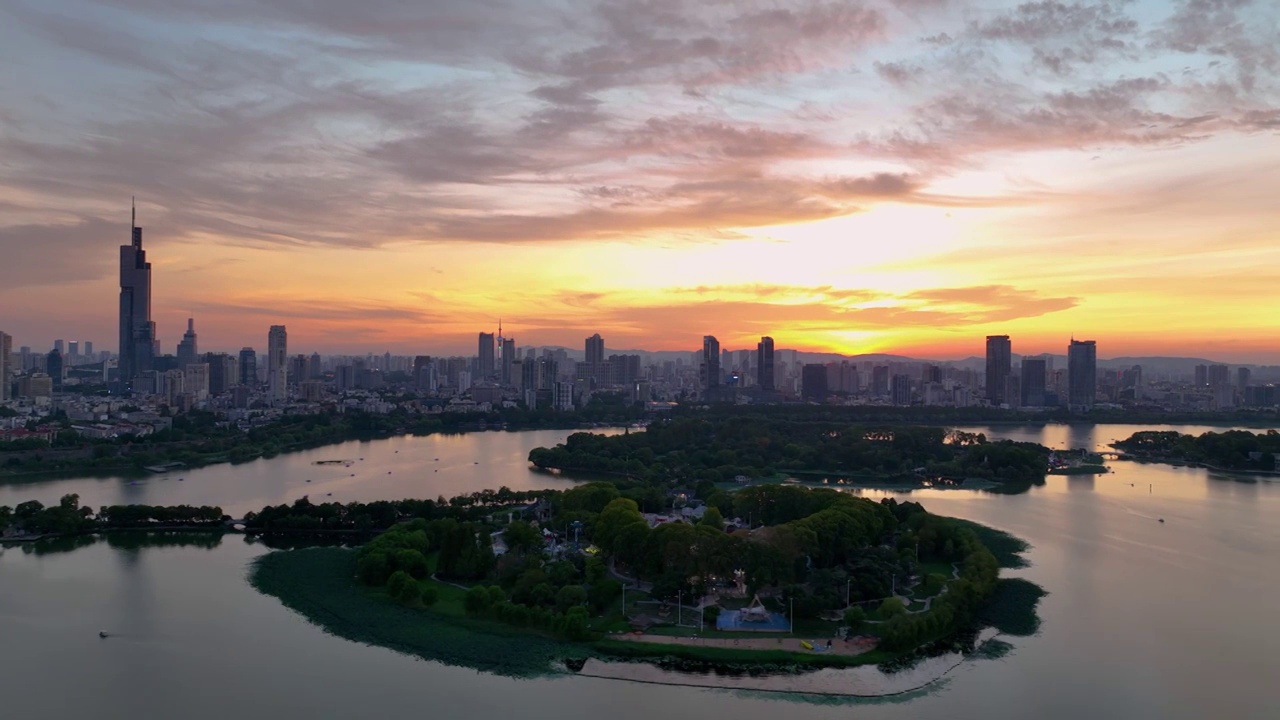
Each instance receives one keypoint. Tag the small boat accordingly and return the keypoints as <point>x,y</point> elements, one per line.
<point>308,481</point>
<point>328,494</point>
<point>102,634</point>
<point>388,472</point>
<point>1161,519</point>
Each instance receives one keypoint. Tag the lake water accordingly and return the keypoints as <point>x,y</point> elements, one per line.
<point>1143,619</point>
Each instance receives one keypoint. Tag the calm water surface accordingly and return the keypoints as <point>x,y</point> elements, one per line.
<point>1143,620</point>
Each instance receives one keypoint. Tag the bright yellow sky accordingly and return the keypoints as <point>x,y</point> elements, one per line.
<point>846,178</point>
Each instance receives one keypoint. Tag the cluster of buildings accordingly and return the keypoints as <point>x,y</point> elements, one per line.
<point>247,387</point>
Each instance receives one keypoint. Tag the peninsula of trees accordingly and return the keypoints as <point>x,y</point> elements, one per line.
<point>1235,450</point>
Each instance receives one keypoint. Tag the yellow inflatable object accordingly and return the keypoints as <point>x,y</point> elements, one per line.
<point>806,644</point>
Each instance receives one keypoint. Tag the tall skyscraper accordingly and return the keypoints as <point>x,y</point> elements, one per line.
<point>509,353</point>
<point>1219,376</point>
<point>277,347</point>
<point>1033,375</point>
<point>187,351</point>
<point>88,350</point>
<point>999,362</point>
<point>709,369</point>
<point>594,359</point>
<point>73,351</point>
<point>53,366</point>
<point>248,367</point>
<point>6,347</point>
<point>880,381</point>
<point>1082,374</point>
<point>137,331</point>
<point>813,382</point>
<point>900,390</point>
<point>486,367</point>
<point>278,362</point>
<point>764,364</point>
<point>595,350</point>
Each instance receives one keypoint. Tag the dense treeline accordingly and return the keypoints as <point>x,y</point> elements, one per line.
<point>68,517</point>
<point>1231,450</point>
<point>303,515</point>
<point>760,445</point>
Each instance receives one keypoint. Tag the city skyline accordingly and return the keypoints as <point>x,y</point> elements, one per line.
<point>905,177</point>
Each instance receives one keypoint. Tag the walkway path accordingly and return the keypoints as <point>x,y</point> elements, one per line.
<point>856,646</point>
<point>629,581</point>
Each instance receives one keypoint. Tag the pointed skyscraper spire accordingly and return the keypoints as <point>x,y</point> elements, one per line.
<point>133,218</point>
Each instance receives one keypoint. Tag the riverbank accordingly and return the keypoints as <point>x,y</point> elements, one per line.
<point>1182,462</point>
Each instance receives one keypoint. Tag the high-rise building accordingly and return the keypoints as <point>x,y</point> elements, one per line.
<point>595,349</point>
<point>1082,374</point>
<point>314,366</point>
<point>187,351</point>
<point>709,370</point>
<point>73,351</point>
<point>137,331</point>
<point>764,364</point>
<point>277,347</point>
<point>486,366</point>
<point>1033,375</point>
<point>1201,375</point>
<point>509,353</point>
<point>277,362</point>
<point>195,380</point>
<point>999,365</point>
<point>60,346</point>
<point>1219,376</point>
<point>900,390</point>
<point>813,382</point>
<point>1242,377</point>
<point>248,367</point>
<point>224,372</point>
<point>6,347</point>
<point>53,366</point>
<point>88,350</point>
<point>880,381</point>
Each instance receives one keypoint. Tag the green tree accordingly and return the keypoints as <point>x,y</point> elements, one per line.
<point>429,596</point>
<point>618,514</point>
<point>476,601</point>
<point>412,562</point>
<point>401,585</point>
<point>712,518</point>
<point>522,538</point>
<point>374,568</point>
<point>855,617</point>
<point>570,596</point>
<point>891,608</point>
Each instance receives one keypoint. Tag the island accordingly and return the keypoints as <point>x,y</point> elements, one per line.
<point>1229,451</point>
<point>753,447</point>
<point>821,579</point>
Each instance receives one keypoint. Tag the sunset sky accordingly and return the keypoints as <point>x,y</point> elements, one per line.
<point>898,176</point>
